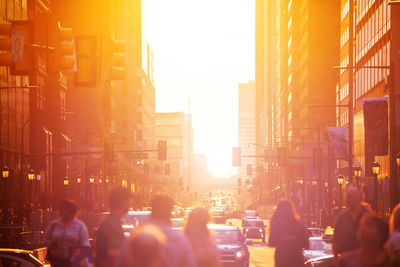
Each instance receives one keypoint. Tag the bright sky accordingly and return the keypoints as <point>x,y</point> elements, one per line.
<point>202,50</point>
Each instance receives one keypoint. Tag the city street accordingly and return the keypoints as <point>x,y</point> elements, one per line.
<point>260,254</point>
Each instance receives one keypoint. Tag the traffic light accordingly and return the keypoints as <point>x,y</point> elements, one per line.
<point>62,56</point>
<point>162,150</point>
<point>282,156</point>
<point>167,169</point>
<point>15,44</point>
<point>236,156</point>
<point>249,169</point>
<point>86,60</point>
<point>5,44</point>
<point>118,65</point>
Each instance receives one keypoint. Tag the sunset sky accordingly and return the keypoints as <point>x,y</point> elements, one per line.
<point>202,50</point>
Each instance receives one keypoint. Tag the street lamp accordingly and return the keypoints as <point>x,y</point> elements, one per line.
<point>398,159</point>
<point>357,174</point>
<point>314,181</point>
<point>375,171</point>
<point>91,179</point>
<point>340,180</point>
<point>78,180</point>
<point>66,181</point>
<point>31,175</point>
<point>5,172</point>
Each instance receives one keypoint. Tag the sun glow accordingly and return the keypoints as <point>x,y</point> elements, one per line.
<point>202,50</point>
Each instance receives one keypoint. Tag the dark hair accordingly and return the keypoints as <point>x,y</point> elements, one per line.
<point>284,211</point>
<point>68,205</point>
<point>161,207</point>
<point>381,225</point>
<point>118,195</point>
<point>143,248</point>
<point>197,223</point>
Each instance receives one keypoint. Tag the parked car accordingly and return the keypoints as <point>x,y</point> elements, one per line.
<point>319,247</point>
<point>254,228</point>
<point>250,214</point>
<point>231,244</point>
<point>326,261</point>
<point>19,257</point>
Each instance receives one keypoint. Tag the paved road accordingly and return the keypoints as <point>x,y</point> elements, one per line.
<point>260,254</point>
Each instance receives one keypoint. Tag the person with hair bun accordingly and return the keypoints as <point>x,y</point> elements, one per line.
<point>65,234</point>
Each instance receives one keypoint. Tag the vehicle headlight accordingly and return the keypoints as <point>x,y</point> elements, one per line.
<point>247,230</point>
<point>260,230</point>
<point>239,254</point>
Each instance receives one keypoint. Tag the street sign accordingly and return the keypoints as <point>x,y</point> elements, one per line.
<point>17,45</point>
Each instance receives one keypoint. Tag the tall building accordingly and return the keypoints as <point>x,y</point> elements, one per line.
<point>376,43</point>
<point>247,126</point>
<point>176,129</point>
<point>301,46</point>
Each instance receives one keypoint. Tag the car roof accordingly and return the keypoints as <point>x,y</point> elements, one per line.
<point>212,226</point>
<point>139,212</point>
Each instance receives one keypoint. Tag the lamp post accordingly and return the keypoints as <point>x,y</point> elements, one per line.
<point>375,171</point>
<point>5,173</point>
<point>357,174</point>
<point>91,181</point>
<point>314,186</point>
<point>66,182</point>
<point>78,182</point>
<point>340,180</point>
<point>31,177</point>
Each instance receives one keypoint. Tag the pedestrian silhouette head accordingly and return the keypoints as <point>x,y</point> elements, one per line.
<point>197,223</point>
<point>161,208</point>
<point>353,197</point>
<point>68,209</point>
<point>119,199</point>
<point>373,230</point>
<point>284,211</point>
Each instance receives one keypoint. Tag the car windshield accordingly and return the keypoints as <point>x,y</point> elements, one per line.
<point>254,224</point>
<point>136,219</point>
<point>318,244</point>
<point>223,236</point>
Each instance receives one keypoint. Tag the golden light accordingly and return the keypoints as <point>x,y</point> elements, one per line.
<point>124,183</point>
<point>357,172</point>
<point>326,184</point>
<point>301,181</point>
<point>66,181</point>
<point>375,168</point>
<point>314,181</point>
<point>107,180</point>
<point>398,159</point>
<point>5,172</point>
<point>340,179</point>
<point>31,175</point>
<point>78,180</point>
<point>100,181</point>
<point>91,179</point>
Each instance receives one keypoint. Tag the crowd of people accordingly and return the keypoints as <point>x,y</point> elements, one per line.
<point>361,238</point>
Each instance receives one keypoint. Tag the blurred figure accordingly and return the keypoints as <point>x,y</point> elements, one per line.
<point>347,223</point>
<point>110,236</point>
<point>394,239</point>
<point>177,250</point>
<point>288,235</point>
<point>144,248</point>
<point>204,248</point>
<point>372,236</point>
<point>65,234</point>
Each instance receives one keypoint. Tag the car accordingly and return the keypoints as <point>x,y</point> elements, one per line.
<point>315,232</point>
<point>319,247</point>
<point>254,228</point>
<point>133,219</point>
<point>326,261</point>
<point>218,215</point>
<point>177,222</point>
<point>231,244</point>
<point>19,257</point>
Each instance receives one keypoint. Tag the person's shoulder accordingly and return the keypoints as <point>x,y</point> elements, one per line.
<point>394,238</point>
<point>79,223</point>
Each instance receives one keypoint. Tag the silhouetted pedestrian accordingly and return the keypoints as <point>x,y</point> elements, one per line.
<point>372,236</point>
<point>346,225</point>
<point>394,239</point>
<point>177,249</point>
<point>144,248</point>
<point>204,248</point>
<point>288,235</point>
<point>110,236</point>
<point>65,234</point>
